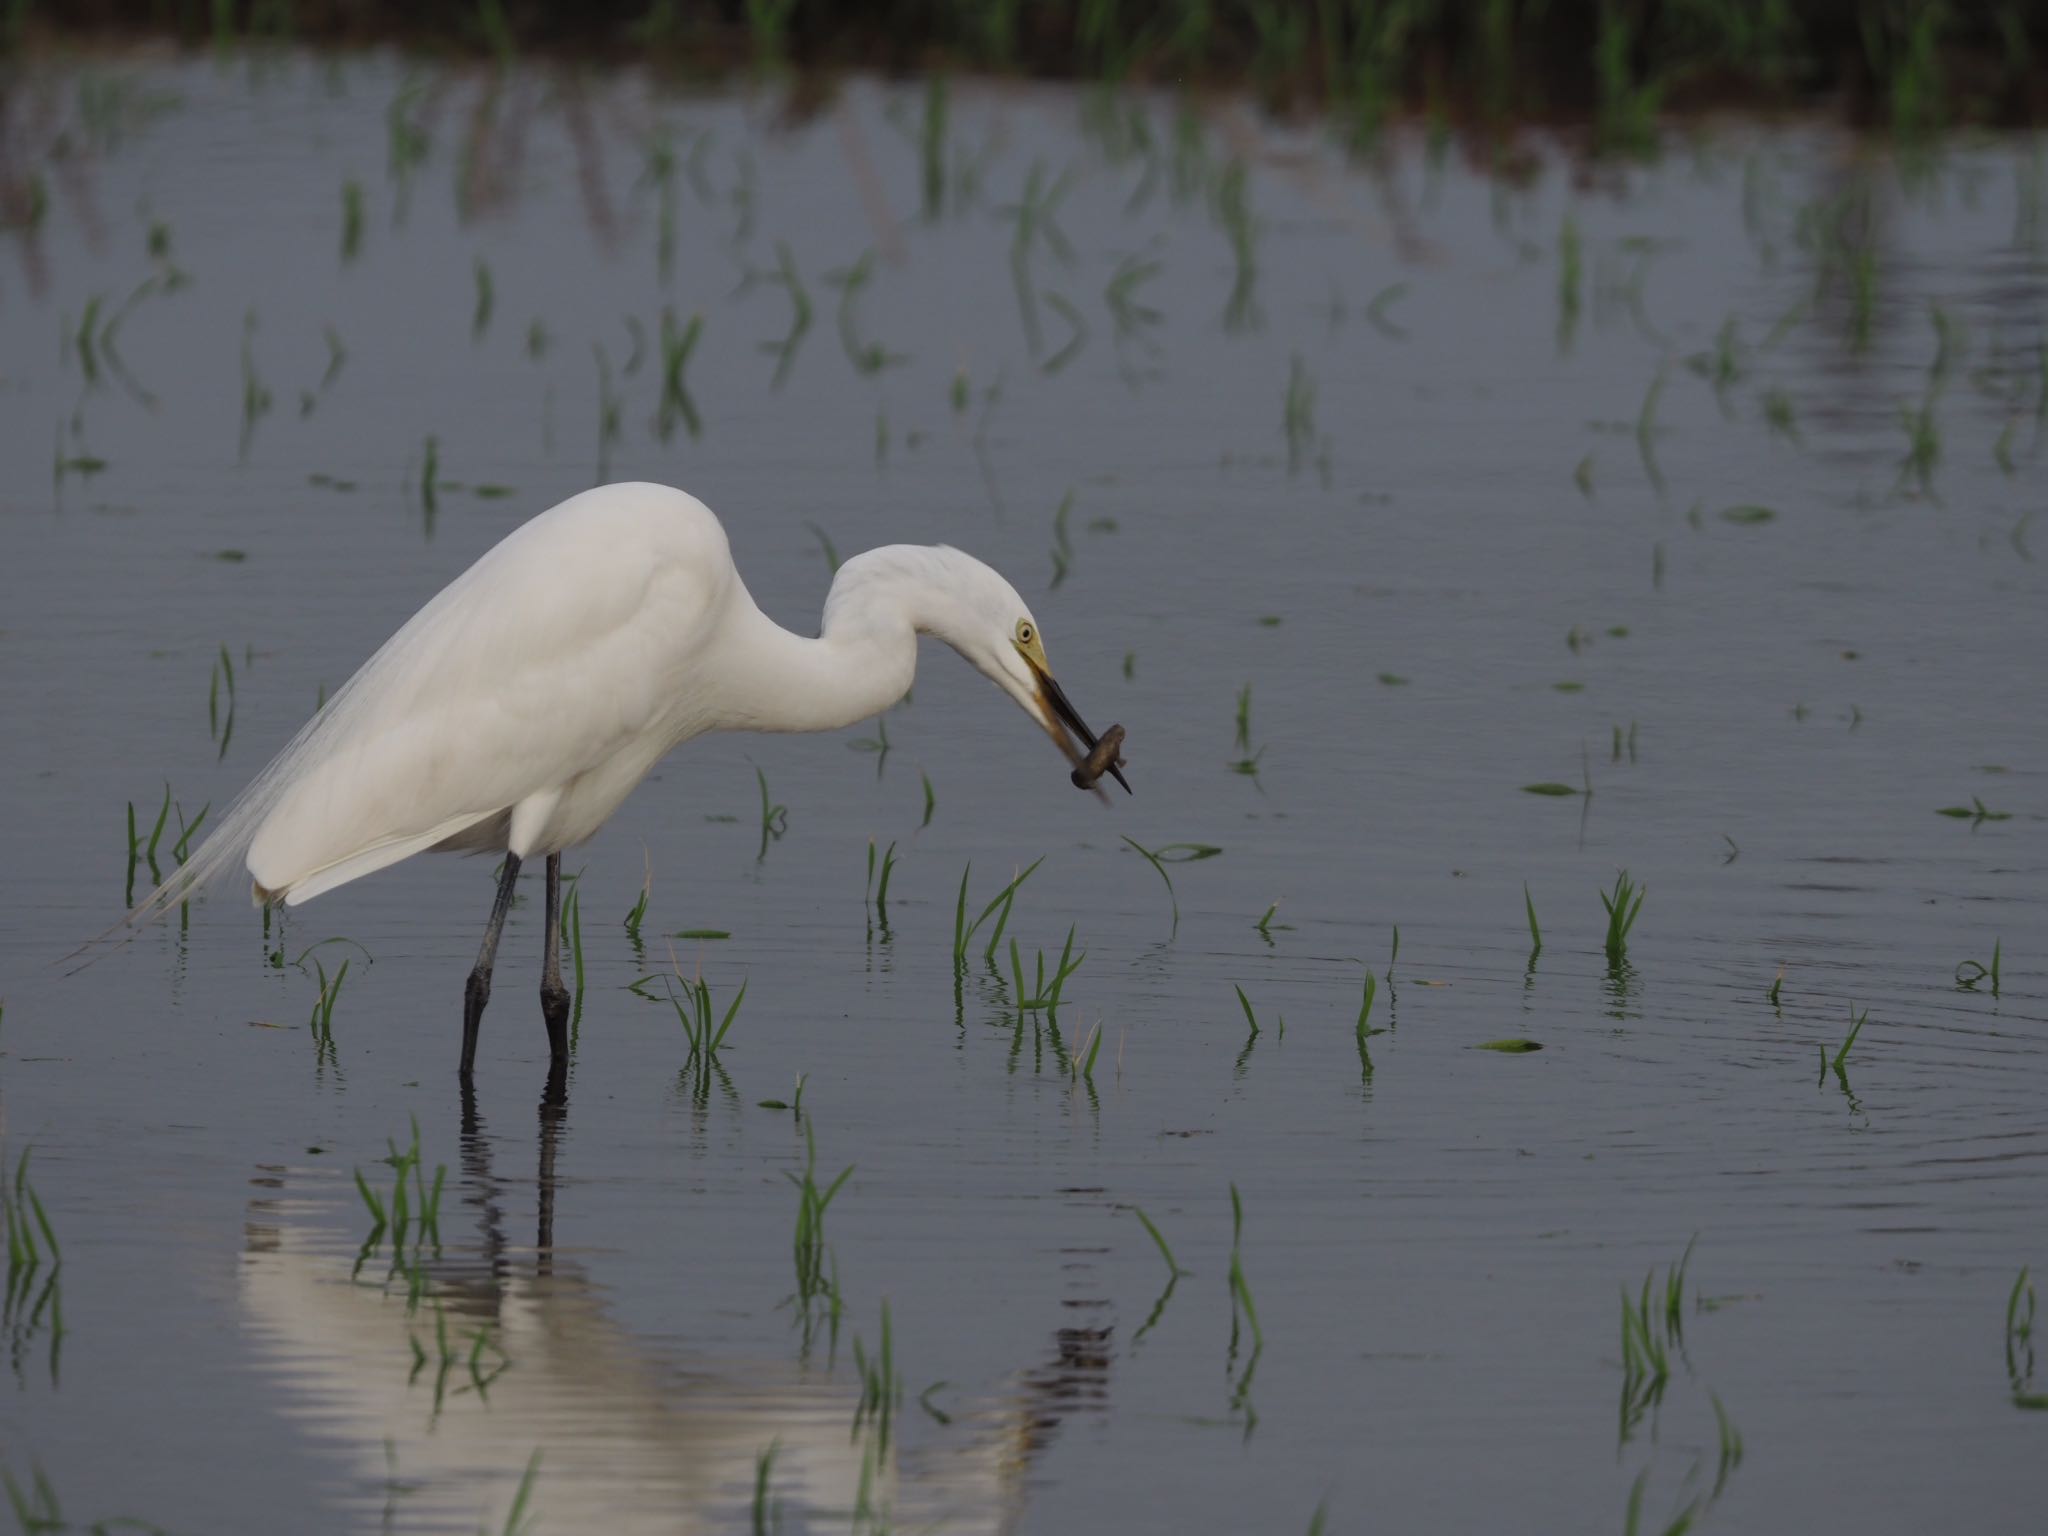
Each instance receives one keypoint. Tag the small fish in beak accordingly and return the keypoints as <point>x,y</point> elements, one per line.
<point>1104,757</point>
<point>1091,759</point>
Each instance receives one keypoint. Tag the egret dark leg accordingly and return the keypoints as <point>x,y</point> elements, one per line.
<point>554,997</point>
<point>478,991</point>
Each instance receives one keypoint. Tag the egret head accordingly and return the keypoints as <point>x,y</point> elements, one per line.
<point>1003,640</point>
<point>956,598</point>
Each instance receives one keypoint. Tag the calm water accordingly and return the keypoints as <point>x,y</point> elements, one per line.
<point>1331,431</point>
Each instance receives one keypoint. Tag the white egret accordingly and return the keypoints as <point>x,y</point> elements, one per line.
<point>518,709</point>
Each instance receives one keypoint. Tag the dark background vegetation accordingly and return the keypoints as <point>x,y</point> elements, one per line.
<point>1912,64</point>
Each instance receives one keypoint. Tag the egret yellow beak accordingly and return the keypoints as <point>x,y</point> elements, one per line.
<point>1058,715</point>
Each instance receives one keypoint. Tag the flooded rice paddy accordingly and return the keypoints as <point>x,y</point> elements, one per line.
<point>1451,532</point>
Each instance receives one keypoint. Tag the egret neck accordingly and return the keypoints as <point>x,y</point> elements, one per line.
<point>865,655</point>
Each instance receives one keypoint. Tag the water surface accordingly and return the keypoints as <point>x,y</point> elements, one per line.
<point>1366,437</point>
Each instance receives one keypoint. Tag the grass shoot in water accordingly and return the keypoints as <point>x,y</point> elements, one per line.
<point>694,1012</point>
<point>1569,283</point>
<point>181,850</point>
<point>1173,853</point>
<point>1172,1264</point>
<point>1839,1063</point>
<point>1365,1030</point>
<point>639,912</point>
<point>1043,996</point>
<point>795,1104</point>
<point>1624,904</point>
<point>486,300</point>
<point>1083,1060</point>
<point>2019,1344</point>
<point>138,848</point>
<point>766,1511</point>
<point>1645,1356</point>
<point>255,394</point>
<point>1240,1287</point>
<point>813,1283</point>
<point>26,1306</point>
<point>677,343</point>
<point>881,893</point>
<point>409,1189</point>
<point>351,220</point>
<point>1242,740</point>
<point>223,668</point>
<point>1970,972</point>
<point>18,1203</point>
<point>572,929</point>
<point>1646,433</point>
<point>1062,542</point>
<point>430,477</point>
<point>322,1020</point>
<point>774,817</point>
<point>1298,413</point>
<point>999,906</point>
<point>881,1391</point>
<point>1250,1018</point>
<point>518,1519</point>
<point>1976,813</point>
<point>1173,1275</point>
<point>785,350</point>
<point>1729,1445</point>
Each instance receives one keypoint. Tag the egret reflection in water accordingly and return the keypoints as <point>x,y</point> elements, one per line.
<point>632,1438</point>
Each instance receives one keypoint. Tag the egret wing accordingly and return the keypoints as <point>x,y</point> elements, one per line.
<point>521,676</point>
<point>576,638</point>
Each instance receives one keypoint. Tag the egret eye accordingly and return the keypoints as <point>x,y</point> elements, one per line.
<point>1025,633</point>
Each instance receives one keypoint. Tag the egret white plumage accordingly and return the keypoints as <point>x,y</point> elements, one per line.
<point>518,709</point>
